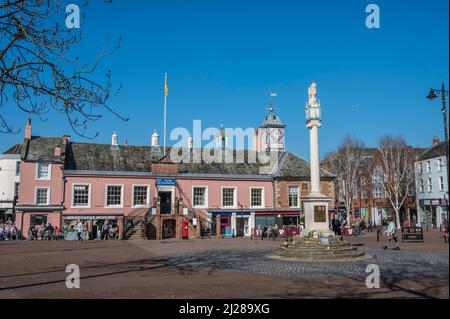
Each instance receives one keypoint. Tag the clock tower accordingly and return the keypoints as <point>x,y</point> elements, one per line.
<point>271,134</point>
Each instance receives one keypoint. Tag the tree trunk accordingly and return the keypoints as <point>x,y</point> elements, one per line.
<point>397,217</point>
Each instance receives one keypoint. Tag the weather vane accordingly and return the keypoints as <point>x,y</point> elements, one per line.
<point>271,95</point>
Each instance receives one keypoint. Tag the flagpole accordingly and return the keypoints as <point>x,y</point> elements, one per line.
<point>165,113</point>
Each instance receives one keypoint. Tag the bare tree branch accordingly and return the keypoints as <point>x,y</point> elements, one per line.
<point>37,73</point>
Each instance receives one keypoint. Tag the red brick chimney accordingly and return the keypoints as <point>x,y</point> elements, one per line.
<point>57,151</point>
<point>436,140</point>
<point>28,130</point>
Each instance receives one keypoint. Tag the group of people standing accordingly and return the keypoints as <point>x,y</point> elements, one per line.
<point>104,231</point>
<point>45,232</point>
<point>268,231</point>
<point>8,230</point>
<point>342,228</point>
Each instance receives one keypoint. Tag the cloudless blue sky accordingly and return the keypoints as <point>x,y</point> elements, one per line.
<point>222,56</point>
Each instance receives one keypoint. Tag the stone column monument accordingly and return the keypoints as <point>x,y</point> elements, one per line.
<point>315,204</point>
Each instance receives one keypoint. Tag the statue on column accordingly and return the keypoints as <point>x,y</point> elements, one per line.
<point>312,107</point>
<point>312,96</point>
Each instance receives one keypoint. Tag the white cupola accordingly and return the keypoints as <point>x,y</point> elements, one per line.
<point>221,138</point>
<point>155,139</point>
<point>115,139</point>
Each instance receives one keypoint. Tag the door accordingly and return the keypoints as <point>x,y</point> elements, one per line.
<point>240,224</point>
<point>166,202</point>
<point>169,228</point>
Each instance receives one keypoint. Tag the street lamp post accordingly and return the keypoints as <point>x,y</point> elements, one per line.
<point>432,95</point>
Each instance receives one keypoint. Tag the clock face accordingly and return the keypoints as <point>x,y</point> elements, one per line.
<point>277,134</point>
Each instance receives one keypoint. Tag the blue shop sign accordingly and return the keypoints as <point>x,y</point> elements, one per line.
<point>165,181</point>
<point>224,214</point>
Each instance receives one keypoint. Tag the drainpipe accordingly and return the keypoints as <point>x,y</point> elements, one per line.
<point>63,197</point>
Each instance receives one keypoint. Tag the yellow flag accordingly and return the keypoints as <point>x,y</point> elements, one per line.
<point>166,87</point>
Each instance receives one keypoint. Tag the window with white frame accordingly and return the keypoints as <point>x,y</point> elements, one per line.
<point>441,183</point>
<point>43,171</point>
<point>81,195</point>
<point>199,196</point>
<point>294,196</point>
<point>428,166</point>
<point>430,185</point>
<point>421,185</point>
<point>114,195</point>
<point>140,195</point>
<point>378,192</point>
<point>42,196</point>
<point>228,197</point>
<point>256,197</point>
<point>439,165</point>
<point>17,168</point>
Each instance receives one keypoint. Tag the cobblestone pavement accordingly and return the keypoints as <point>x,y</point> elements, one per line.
<point>210,269</point>
<point>391,263</point>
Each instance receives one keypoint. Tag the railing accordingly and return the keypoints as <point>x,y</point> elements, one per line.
<point>192,213</point>
<point>135,217</point>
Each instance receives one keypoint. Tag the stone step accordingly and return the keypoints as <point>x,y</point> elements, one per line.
<point>305,249</point>
<point>323,256</point>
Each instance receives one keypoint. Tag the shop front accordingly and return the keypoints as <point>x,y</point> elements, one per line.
<point>433,212</point>
<point>27,216</point>
<point>280,218</point>
<point>232,224</point>
<point>94,224</point>
<point>6,211</point>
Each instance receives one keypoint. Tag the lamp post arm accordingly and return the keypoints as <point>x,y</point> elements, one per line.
<point>444,110</point>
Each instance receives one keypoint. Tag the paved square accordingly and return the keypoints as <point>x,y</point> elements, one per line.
<point>234,268</point>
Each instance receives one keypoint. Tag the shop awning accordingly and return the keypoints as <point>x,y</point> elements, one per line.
<point>282,213</point>
<point>238,213</point>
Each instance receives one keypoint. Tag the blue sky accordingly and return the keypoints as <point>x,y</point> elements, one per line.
<point>222,56</point>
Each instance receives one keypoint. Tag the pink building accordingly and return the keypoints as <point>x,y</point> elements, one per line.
<point>147,194</point>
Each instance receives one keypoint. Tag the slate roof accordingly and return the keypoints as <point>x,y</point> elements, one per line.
<point>294,167</point>
<point>139,159</point>
<point>434,151</point>
<point>14,149</point>
<point>42,148</point>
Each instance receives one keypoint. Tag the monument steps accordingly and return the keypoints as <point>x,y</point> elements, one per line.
<point>314,249</point>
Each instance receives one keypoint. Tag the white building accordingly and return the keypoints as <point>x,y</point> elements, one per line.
<point>9,181</point>
<point>432,185</point>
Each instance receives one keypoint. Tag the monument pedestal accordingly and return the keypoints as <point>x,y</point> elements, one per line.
<point>316,214</point>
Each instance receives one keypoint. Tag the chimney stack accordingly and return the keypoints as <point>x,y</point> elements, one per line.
<point>28,130</point>
<point>155,139</point>
<point>57,151</point>
<point>115,139</point>
<point>436,140</point>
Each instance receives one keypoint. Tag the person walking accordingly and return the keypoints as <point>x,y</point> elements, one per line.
<point>105,230</point>
<point>334,225</point>
<point>445,231</point>
<point>275,231</point>
<point>80,228</point>
<point>391,234</point>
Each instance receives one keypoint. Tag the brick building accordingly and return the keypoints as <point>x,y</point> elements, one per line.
<point>152,195</point>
